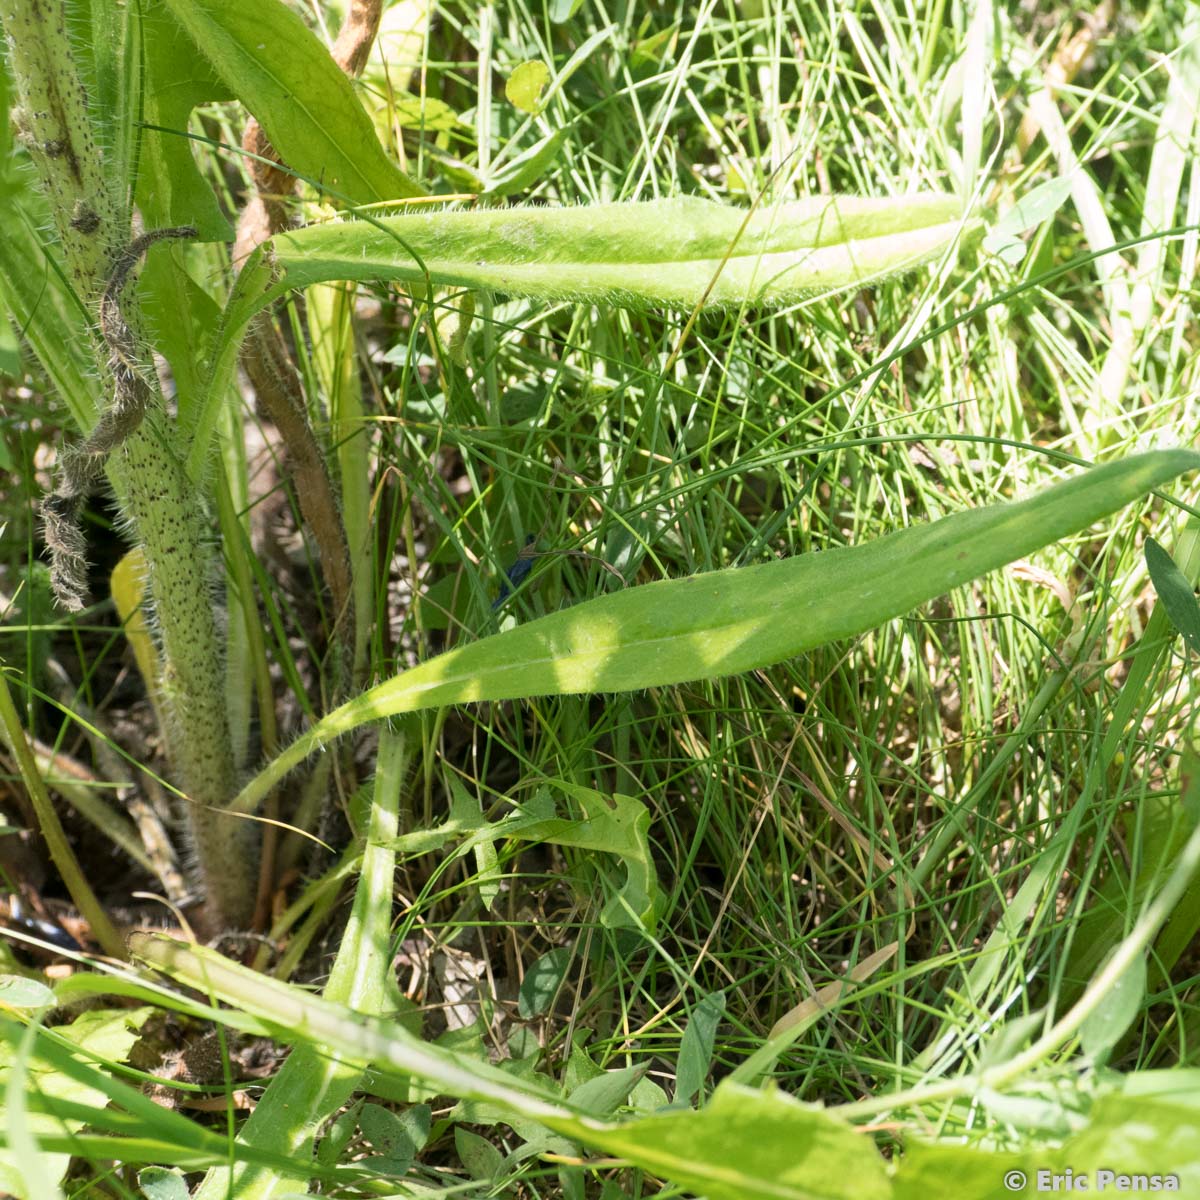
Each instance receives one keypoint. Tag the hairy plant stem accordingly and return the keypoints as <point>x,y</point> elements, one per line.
<point>156,498</point>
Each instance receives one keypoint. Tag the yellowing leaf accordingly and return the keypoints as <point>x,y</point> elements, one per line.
<point>128,585</point>
<point>525,85</point>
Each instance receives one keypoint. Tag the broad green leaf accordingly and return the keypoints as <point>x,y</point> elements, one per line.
<point>725,622</point>
<point>396,1137</point>
<point>607,1091</point>
<point>751,1145</point>
<point>1175,592</point>
<point>1036,206</point>
<point>1133,1136</point>
<point>337,1137</point>
<point>542,982</point>
<point>1009,1038</point>
<point>696,1047</point>
<point>1168,1085</point>
<point>618,825</point>
<point>180,320</point>
<point>524,86</point>
<point>171,191</point>
<point>18,992</point>
<point>478,1155</point>
<point>528,167</point>
<point>564,10</point>
<point>427,113</point>
<point>157,1183</point>
<point>268,58</point>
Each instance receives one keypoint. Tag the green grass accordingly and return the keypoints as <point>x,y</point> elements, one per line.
<point>997,765</point>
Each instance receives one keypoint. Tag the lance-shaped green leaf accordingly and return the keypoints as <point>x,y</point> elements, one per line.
<point>724,622</point>
<point>677,253</point>
<point>1176,593</point>
<point>680,253</point>
<point>265,54</point>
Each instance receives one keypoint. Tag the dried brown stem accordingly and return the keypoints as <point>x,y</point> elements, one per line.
<point>269,365</point>
<point>276,381</point>
<point>280,393</point>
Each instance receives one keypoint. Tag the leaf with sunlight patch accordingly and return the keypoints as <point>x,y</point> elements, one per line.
<point>617,825</point>
<point>751,1145</point>
<point>677,253</point>
<point>18,992</point>
<point>58,1103</point>
<point>1123,1134</point>
<point>726,622</point>
<point>680,253</point>
<point>743,1145</point>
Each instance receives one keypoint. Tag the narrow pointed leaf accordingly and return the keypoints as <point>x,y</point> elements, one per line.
<point>666,253</point>
<point>679,252</point>
<point>725,622</point>
<point>265,54</point>
<point>1175,592</point>
<point>314,1082</point>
